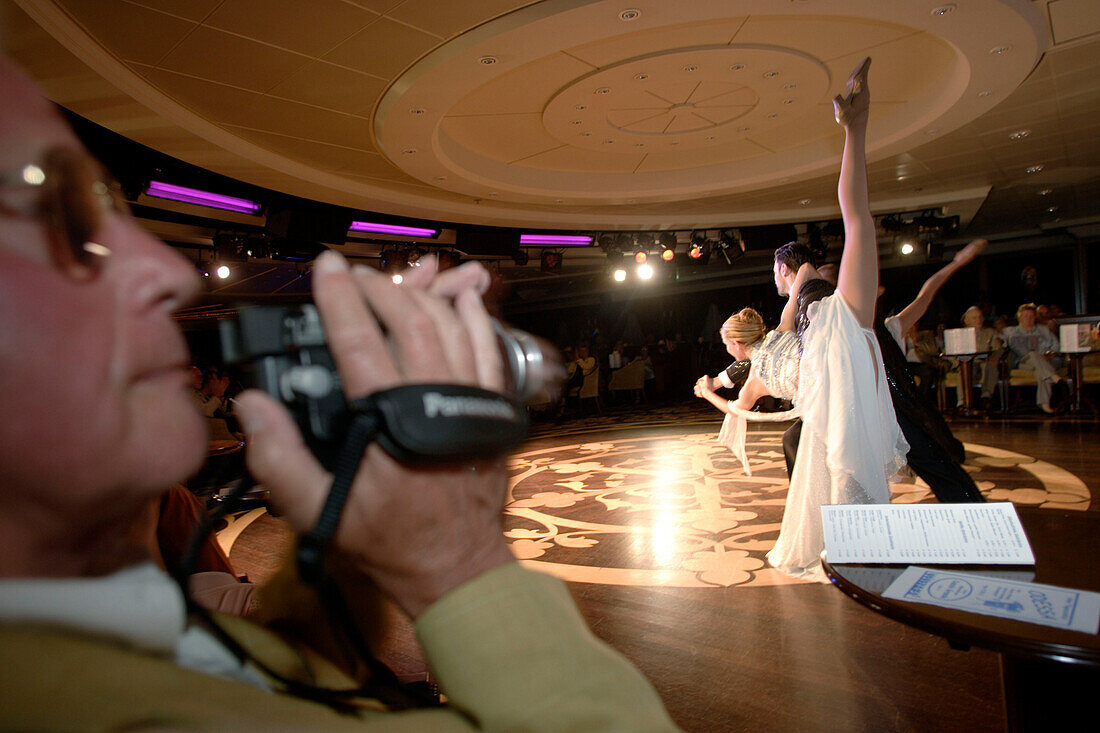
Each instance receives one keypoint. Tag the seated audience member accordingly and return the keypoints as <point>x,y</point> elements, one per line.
<point>100,422</point>
<point>210,395</point>
<point>988,340</point>
<point>1034,348</point>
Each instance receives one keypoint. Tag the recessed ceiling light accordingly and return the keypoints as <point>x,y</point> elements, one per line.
<point>1034,168</point>
<point>417,111</point>
<point>630,14</point>
<point>608,141</point>
<point>630,201</point>
<point>804,202</point>
<point>788,101</point>
<point>641,77</point>
<point>737,67</point>
<point>580,108</point>
<point>1000,50</point>
<point>771,74</point>
<point>409,151</point>
<point>487,60</point>
<point>1051,209</point>
<point>1046,191</point>
<point>772,115</point>
<point>691,67</point>
<point>494,193</point>
<point>934,131</point>
<point>559,201</point>
<point>441,178</point>
<point>746,128</point>
<point>586,133</point>
<point>943,9</point>
<point>639,145</point>
<point>603,90</point>
<point>1019,135</point>
<point>789,85</point>
<point>712,137</point>
<point>986,93</point>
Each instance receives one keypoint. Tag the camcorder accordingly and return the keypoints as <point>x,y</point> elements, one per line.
<point>282,351</point>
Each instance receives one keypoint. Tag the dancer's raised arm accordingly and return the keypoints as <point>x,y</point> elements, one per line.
<point>857,282</point>
<point>916,310</point>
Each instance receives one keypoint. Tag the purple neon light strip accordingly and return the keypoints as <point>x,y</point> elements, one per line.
<point>161,190</point>
<point>559,240</point>
<point>367,226</point>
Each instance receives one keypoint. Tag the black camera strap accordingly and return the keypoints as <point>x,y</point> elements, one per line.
<point>416,424</point>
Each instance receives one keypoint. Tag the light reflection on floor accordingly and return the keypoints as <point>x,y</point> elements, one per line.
<point>679,511</point>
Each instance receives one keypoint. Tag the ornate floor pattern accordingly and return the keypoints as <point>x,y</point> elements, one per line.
<point>677,510</point>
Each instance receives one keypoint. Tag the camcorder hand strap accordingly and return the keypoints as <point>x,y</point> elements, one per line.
<point>416,424</point>
<point>427,424</point>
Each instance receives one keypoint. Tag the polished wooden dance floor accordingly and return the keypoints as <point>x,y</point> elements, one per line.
<point>661,537</point>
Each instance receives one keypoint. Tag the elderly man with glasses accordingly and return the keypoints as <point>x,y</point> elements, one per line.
<point>100,420</point>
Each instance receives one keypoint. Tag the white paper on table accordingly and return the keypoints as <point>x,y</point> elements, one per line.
<point>1049,605</point>
<point>987,533</point>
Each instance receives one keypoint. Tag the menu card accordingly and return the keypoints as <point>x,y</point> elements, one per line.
<point>925,533</point>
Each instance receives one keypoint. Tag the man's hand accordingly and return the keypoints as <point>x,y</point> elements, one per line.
<point>418,532</point>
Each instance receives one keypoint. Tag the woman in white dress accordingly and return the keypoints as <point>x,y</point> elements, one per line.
<point>851,444</point>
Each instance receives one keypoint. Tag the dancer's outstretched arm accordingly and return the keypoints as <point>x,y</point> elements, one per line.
<point>915,310</point>
<point>857,281</point>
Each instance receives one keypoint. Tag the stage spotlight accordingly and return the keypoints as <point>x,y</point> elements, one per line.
<point>667,240</point>
<point>695,252</point>
<point>907,248</point>
<point>619,275</point>
<point>645,272</point>
<point>223,271</point>
<point>731,245</point>
<point>640,257</point>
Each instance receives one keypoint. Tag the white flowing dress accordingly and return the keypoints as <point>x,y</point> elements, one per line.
<point>851,444</point>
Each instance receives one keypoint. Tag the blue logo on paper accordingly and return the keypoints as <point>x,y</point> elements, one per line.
<point>950,589</point>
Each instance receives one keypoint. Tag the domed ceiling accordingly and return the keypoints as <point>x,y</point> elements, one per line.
<point>580,115</point>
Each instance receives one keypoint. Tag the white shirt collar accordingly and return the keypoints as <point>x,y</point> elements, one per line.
<point>140,605</point>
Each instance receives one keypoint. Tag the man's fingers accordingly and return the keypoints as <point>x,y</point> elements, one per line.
<point>353,335</point>
<point>490,367</point>
<point>415,340</point>
<point>278,459</point>
<point>467,276</point>
<point>453,336</point>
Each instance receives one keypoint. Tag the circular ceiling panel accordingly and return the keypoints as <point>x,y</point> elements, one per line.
<point>569,102</point>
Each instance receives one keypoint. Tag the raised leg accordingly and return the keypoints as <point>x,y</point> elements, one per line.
<point>857,281</point>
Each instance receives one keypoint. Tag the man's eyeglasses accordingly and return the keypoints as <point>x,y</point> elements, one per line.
<point>74,193</point>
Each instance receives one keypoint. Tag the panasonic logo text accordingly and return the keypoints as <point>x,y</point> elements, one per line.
<point>436,405</point>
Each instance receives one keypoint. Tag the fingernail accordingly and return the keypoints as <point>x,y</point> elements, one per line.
<point>331,261</point>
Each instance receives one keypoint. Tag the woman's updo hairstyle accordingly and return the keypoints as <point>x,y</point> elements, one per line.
<point>745,327</point>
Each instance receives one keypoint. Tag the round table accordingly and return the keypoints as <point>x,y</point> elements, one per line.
<point>1049,674</point>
